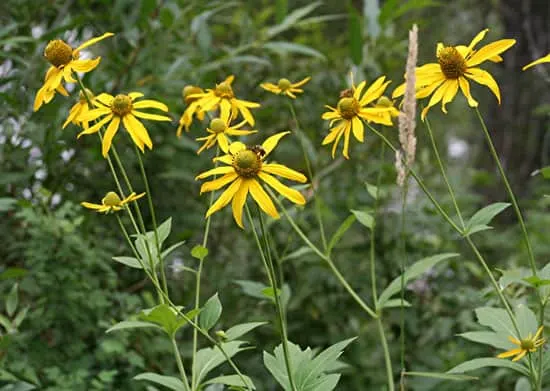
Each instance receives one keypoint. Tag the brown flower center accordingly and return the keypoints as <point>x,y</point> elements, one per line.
<point>58,53</point>
<point>348,107</point>
<point>191,90</point>
<point>284,84</point>
<point>111,199</point>
<point>527,344</point>
<point>247,163</point>
<point>82,97</point>
<point>452,64</point>
<point>224,90</point>
<point>217,125</point>
<point>122,105</point>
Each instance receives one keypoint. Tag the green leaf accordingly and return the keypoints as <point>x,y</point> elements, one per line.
<point>241,329</point>
<point>545,171</point>
<point>199,252</point>
<point>536,281</point>
<point>7,204</point>
<point>128,261</point>
<point>13,272</point>
<point>481,219</point>
<point>167,252</point>
<point>232,380</point>
<point>442,376</point>
<point>209,358</point>
<point>393,303</point>
<point>281,9</point>
<point>296,254</point>
<point>355,29</point>
<point>342,229</point>
<point>131,324</point>
<point>210,313</point>
<point>413,271</point>
<point>283,48</point>
<point>19,386</point>
<point>364,218</point>
<point>167,318</point>
<point>527,320</point>
<point>490,338</point>
<point>485,362</point>
<point>291,19</point>
<point>12,300</point>
<point>497,319</point>
<point>372,190</point>
<point>20,317</point>
<point>170,382</point>
<point>252,288</point>
<point>163,230</point>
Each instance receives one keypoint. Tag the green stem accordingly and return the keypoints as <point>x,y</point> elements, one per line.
<point>273,282</point>
<point>180,365</point>
<point>325,258</point>
<point>314,187</point>
<point>510,194</point>
<point>443,173</point>
<point>387,358</point>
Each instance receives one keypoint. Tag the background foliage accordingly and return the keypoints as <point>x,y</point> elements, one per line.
<point>59,255</point>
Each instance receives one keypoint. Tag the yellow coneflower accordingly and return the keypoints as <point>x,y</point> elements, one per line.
<point>112,202</point>
<point>219,129</point>
<point>123,108</point>
<point>245,169</point>
<point>352,108</point>
<point>284,86</point>
<point>80,109</point>
<point>527,345</point>
<point>65,60</point>
<point>536,62</point>
<point>189,96</point>
<point>455,65</point>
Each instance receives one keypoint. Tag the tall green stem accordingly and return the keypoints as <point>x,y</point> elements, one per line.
<point>387,357</point>
<point>510,194</point>
<point>273,282</point>
<point>180,364</point>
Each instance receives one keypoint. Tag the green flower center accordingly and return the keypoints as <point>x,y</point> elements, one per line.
<point>284,84</point>
<point>58,53</point>
<point>452,64</point>
<point>82,97</point>
<point>191,90</point>
<point>348,107</point>
<point>384,101</point>
<point>217,125</point>
<point>247,163</point>
<point>224,90</point>
<point>111,199</point>
<point>527,344</point>
<point>122,105</point>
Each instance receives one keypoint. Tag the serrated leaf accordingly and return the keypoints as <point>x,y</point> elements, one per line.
<point>342,229</point>
<point>232,380</point>
<point>241,329</point>
<point>283,47</point>
<point>497,319</point>
<point>128,261</point>
<point>209,358</point>
<point>210,313</point>
<point>527,320</point>
<point>131,324</point>
<point>325,383</point>
<point>364,218</point>
<point>412,271</point>
<point>442,376</point>
<point>199,252</point>
<point>485,362</point>
<point>12,301</point>
<point>481,219</point>
<point>170,382</point>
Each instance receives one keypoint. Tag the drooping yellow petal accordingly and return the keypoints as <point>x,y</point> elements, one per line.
<point>271,142</point>
<point>301,82</point>
<point>135,95</point>
<point>109,134</point>
<point>133,125</point>
<point>476,40</point>
<point>358,129</point>
<point>89,205</point>
<point>483,77</point>
<point>465,88</point>
<point>536,62</point>
<point>509,353</point>
<point>154,117</point>
<point>239,200</point>
<point>291,194</point>
<point>219,183</point>
<point>222,142</point>
<point>225,197</point>
<point>105,99</point>
<point>96,127</point>
<point>150,103</point>
<point>339,136</point>
<point>450,93</point>
<point>284,171</point>
<point>95,113</point>
<point>520,356</point>
<point>93,41</point>
<point>490,50</point>
<point>85,65</point>
<point>262,198</point>
<point>435,99</point>
<point>347,132</point>
<point>247,115</point>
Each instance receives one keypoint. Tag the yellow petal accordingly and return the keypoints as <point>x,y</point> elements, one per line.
<point>536,62</point>
<point>509,353</point>
<point>465,88</point>
<point>247,115</point>
<point>450,93</point>
<point>490,50</point>
<point>109,134</point>
<point>225,197</point>
<point>89,205</point>
<point>154,117</point>
<point>520,356</point>
<point>398,91</point>
<point>338,137</point>
<point>135,95</point>
<point>271,142</point>
<point>93,41</point>
<point>436,97</point>
<point>239,200</point>
<point>333,133</point>
<point>262,198</point>
<point>476,40</point>
<point>96,127</point>
<point>95,113</point>
<point>301,82</point>
<point>150,103</point>
<point>284,171</point>
<point>222,142</point>
<point>105,99</point>
<point>347,132</point>
<point>85,65</point>
<point>291,194</point>
<point>219,183</point>
<point>374,91</point>
<point>133,125</point>
<point>358,129</point>
<point>483,77</point>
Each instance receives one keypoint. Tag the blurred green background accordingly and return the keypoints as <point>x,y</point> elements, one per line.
<point>60,254</point>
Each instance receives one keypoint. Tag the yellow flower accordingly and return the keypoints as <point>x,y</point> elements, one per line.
<point>223,97</point>
<point>536,62</point>
<point>123,108</point>
<point>527,345</point>
<point>457,64</point>
<point>80,109</point>
<point>245,168</point>
<point>65,61</point>
<point>352,109</point>
<point>189,96</point>
<point>219,129</point>
<point>284,86</point>
<point>112,202</point>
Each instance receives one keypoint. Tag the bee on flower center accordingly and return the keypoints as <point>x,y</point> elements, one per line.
<point>224,90</point>
<point>111,199</point>
<point>452,63</point>
<point>217,125</point>
<point>258,149</point>
<point>122,105</point>
<point>247,163</point>
<point>348,107</point>
<point>284,84</point>
<point>347,93</point>
<point>58,53</point>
